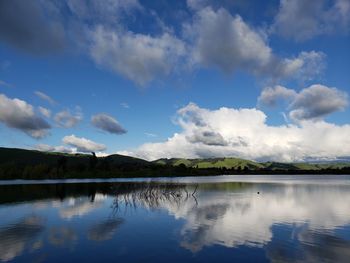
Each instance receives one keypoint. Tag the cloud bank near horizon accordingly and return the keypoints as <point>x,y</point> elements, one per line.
<point>244,133</point>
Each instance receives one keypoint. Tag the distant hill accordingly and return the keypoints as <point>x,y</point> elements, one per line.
<point>237,163</point>
<point>228,163</point>
<point>32,164</point>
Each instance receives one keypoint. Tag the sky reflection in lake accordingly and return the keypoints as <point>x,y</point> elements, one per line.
<point>151,222</point>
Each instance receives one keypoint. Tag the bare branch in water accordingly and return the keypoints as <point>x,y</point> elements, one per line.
<point>151,195</point>
<point>195,190</point>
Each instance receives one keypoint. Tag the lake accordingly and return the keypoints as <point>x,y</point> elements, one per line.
<point>206,219</point>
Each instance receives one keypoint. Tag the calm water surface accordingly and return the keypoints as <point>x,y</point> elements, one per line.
<point>212,219</point>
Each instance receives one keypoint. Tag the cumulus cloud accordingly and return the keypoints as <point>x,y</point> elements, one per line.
<point>271,95</point>
<point>27,26</point>
<point>107,123</point>
<point>246,134</point>
<point>311,103</point>
<point>304,67</point>
<point>302,20</point>
<point>239,45</point>
<point>317,101</point>
<point>82,144</point>
<point>44,111</point>
<point>138,57</point>
<point>230,44</point>
<point>66,119</point>
<point>45,97</point>
<point>20,115</point>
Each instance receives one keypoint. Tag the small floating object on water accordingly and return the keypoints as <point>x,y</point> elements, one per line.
<point>258,192</point>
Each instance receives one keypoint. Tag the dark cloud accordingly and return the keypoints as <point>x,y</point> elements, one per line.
<point>107,123</point>
<point>208,138</point>
<point>271,95</point>
<point>312,103</point>
<point>316,102</point>
<point>25,25</point>
<point>18,114</point>
<point>242,47</point>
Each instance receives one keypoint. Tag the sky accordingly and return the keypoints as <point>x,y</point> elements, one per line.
<point>261,80</point>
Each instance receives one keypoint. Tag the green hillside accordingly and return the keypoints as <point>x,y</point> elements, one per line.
<point>228,163</point>
<point>237,163</point>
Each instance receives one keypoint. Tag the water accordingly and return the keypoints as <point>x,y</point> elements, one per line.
<point>211,219</point>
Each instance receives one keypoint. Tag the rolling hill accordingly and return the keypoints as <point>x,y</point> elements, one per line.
<point>237,163</point>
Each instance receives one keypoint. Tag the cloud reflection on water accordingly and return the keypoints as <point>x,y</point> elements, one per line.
<point>17,236</point>
<point>243,217</point>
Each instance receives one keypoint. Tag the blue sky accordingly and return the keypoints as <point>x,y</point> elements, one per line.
<point>196,78</point>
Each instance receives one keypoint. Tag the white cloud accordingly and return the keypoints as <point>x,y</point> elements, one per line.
<point>45,97</point>
<point>44,111</point>
<point>68,120</point>
<point>82,144</point>
<point>79,207</point>
<point>125,105</point>
<point>140,58</point>
<point>302,20</point>
<point>244,133</point>
<point>107,123</point>
<point>312,103</point>
<point>20,115</point>
<point>48,148</point>
<point>230,44</point>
